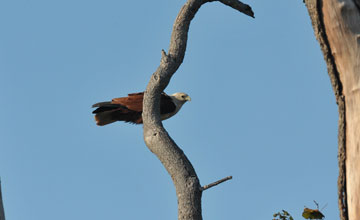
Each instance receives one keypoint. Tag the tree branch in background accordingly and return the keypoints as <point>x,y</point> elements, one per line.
<point>2,212</point>
<point>187,184</point>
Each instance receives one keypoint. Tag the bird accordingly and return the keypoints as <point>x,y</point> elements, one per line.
<point>129,109</point>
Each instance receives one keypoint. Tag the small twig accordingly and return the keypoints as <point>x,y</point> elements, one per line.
<point>216,183</point>
<point>241,7</point>
<point>317,204</point>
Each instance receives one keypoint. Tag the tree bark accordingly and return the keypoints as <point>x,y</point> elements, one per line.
<point>2,212</point>
<point>336,25</point>
<point>187,184</point>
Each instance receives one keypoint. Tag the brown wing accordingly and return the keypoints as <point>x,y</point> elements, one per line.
<point>128,109</point>
<point>133,101</point>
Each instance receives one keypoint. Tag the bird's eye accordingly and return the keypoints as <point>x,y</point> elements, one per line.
<point>183,96</point>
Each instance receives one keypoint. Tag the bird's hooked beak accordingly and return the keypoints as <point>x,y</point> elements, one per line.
<point>188,98</point>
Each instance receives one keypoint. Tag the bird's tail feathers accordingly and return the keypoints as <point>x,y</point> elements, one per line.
<point>104,118</point>
<point>107,113</point>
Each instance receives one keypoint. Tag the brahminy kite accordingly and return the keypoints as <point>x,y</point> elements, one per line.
<point>129,109</point>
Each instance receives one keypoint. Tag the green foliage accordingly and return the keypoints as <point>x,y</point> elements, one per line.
<point>307,214</point>
<point>312,214</point>
<point>282,216</point>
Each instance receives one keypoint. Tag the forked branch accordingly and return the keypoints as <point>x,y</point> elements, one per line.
<point>187,184</point>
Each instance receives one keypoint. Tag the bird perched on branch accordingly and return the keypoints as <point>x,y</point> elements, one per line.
<point>129,109</point>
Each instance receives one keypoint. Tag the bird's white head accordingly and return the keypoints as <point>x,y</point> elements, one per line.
<point>181,97</point>
<point>178,99</point>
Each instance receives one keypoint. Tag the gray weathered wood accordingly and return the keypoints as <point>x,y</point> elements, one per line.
<point>2,212</point>
<point>187,184</point>
<point>337,27</point>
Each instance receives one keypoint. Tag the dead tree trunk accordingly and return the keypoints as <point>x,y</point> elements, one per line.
<point>336,25</point>
<point>187,184</point>
<point>2,212</point>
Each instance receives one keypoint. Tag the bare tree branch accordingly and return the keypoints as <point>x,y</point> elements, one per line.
<point>336,25</point>
<point>2,212</point>
<point>187,184</point>
<point>314,9</point>
<point>216,183</point>
<point>315,12</point>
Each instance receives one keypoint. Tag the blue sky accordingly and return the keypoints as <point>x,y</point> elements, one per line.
<point>262,110</point>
